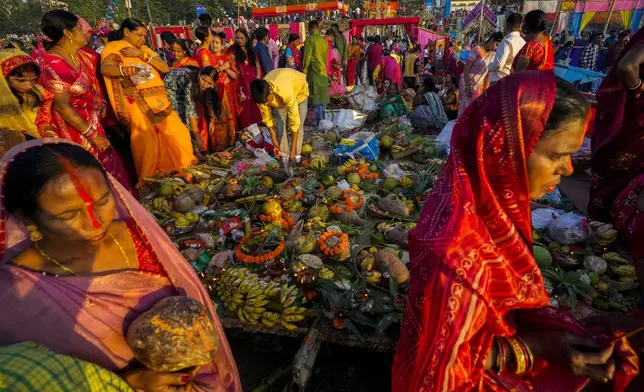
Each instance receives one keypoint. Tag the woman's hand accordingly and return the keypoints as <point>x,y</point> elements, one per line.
<point>101,143</point>
<point>150,381</point>
<point>468,91</point>
<point>580,356</point>
<point>131,51</point>
<point>199,141</point>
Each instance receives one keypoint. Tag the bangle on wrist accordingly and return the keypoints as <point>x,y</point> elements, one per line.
<point>121,70</point>
<point>637,86</point>
<point>87,131</point>
<point>519,355</point>
<point>527,351</point>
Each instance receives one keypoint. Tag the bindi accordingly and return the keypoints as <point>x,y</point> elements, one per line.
<point>84,195</point>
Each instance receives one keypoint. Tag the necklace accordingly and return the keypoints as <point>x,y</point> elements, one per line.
<point>74,58</point>
<point>68,270</point>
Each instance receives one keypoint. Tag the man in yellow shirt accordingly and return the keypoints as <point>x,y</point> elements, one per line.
<point>282,97</point>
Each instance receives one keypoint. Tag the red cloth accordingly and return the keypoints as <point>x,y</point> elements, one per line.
<point>541,54</point>
<point>250,111</point>
<point>374,56</point>
<point>618,155</point>
<point>391,70</point>
<point>471,252</point>
<point>86,97</point>
<point>297,58</point>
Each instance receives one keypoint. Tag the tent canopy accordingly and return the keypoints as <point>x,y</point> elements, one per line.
<point>410,24</point>
<point>300,9</point>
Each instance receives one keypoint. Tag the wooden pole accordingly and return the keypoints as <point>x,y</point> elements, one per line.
<point>481,22</point>
<point>556,21</point>
<point>610,14</point>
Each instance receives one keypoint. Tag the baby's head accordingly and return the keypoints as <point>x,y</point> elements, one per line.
<point>177,333</point>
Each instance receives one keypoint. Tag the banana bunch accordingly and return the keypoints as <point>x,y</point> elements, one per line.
<point>177,188</point>
<point>614,258</point>
<point>314,224</point>
<point>354,162</point>
<point>292,205</point>
<point>606,233</point>
<point>182,221</point>
<point>197,174</point>
<point>291,312</point>
<point>246,294</point>
<point>409,203</point>
<point>406,182</point>
<point>161,204</point>
<point>396,148</point>
<point>326,273</point>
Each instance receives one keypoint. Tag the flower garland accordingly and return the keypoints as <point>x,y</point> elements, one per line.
<point>339,246</point>
<point>248,259</point>
<point>349,195</point>
<point>286,221</point>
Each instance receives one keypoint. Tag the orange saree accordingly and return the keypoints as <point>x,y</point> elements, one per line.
<point>160,141</point>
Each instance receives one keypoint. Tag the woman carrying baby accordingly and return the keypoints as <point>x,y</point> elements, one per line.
<point>81,259</point>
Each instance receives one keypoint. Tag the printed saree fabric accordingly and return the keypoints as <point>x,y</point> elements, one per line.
<point>160,142</point>
<point>540,52</point>
<point>471,252</point>
<point>618,155</point>
<point>86,98</point>
<point>23,117</point>
<point>86,317</point>
<point>224,127</point>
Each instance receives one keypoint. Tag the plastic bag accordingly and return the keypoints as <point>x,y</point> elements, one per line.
<point>395,171</point>
<point>543,217</point>
<point>325,125</point>
<point>569,228</point>
<point>143,74</point>
<point>345,118</point>
<point>360,144</point>
<point>444,138</point>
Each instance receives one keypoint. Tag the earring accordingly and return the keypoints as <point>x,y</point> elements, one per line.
<point>34,234</point>
<point>71,43</point>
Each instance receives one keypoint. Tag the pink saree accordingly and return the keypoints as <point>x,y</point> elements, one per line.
<point>87,316</point>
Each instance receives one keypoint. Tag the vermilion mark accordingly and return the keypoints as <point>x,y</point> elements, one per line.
<point>89,201</point>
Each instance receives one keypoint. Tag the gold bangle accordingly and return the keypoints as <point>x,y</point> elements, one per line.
<point>527,350</point>
<point>519,355</point>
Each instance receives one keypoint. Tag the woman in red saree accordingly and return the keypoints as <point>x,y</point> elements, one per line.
<point>222,130</point>
<point>249,69</point>
<point>538,53</point>
<point>617,191</point>
<point>79,104</point>
<point>182,55</point>
<point>477,303</point>
<point>74,285</point>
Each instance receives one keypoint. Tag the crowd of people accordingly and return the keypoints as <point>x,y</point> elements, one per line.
<point>82,130</point>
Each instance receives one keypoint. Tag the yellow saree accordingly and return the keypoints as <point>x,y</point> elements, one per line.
<point>160,142</point>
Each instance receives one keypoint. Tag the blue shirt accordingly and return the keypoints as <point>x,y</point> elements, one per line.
<point>265,59</point>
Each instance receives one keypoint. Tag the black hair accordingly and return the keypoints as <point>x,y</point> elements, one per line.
<point>377,39</point>
<point>292,38</point>
<point>535,21</point>
<point>202,32</point>
<point>259,90</point>
<point>261,33</point>
<point>429,85</point>
<point>223,36</point>
<point>19,72</point>
<point>113,35</point>
<point>131,24</point>
<point>54,24</point>
<point>184,46</point>
<point>168,37</point>
<point>514,21</point>
<point>313,24</point>
<point>335,26</point>
<point>329,32</point>
<point>30,172</point>
<point>497,37</point>
<point>569,105</point>
<point>240,55</point>
<point>205,20</point>
<point>208,99</point>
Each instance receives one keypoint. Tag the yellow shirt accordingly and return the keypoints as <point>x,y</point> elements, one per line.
<point>410,61</point>
<point>395,57</point>
<point>289,89</point>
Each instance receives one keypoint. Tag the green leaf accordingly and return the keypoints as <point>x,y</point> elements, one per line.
<point>352,328</point>
<point>573,295</point>
<point>385,322</point>
<point>393,287</point>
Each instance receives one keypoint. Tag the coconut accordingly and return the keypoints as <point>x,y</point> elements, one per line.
<point>307,149</point>
<point>595,264</point>
<point>389,184</point>
<point>386,141</point>
<point>305,244</point>
<point>319,210</point>
<point>183,203</point>
<point>331,137</point>
<point>196,194</point>
<point>176,333</point>
<point>542,256</point>
<point>334,192</point>
<point>353,178</point>
<point>341,170</point>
